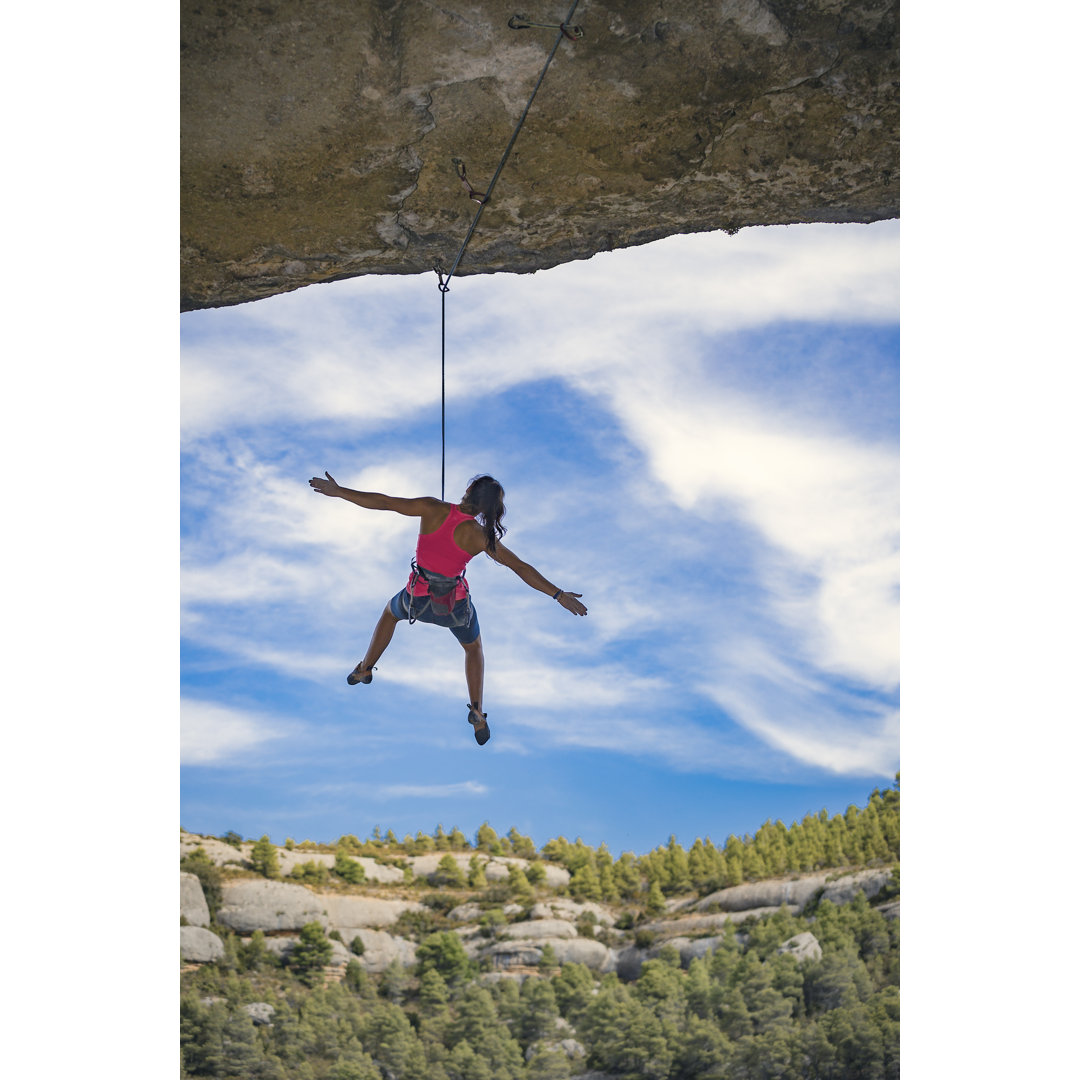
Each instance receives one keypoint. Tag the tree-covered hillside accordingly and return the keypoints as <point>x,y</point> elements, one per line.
<point>784,995</point>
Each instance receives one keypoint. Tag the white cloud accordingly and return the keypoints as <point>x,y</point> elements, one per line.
<point>827,507</point>
<point>277,576</point>
<point>215,735</point>
<point>348,355</point>
<point>433,791</point>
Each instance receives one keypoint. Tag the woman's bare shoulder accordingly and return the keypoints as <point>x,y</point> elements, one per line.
<point>469,536</point>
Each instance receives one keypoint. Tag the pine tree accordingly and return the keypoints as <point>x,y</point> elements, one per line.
<point>654,904</point>
<point>584,884</point>
<point>311,953</point>
<point>448,873</point>
<point>487,839</point>
<point>676,868</point>
<point>477,877</point>
<point>264,858</point>
<point>520,885</point>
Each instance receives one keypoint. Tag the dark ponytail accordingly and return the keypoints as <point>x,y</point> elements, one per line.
<point>484,496</point>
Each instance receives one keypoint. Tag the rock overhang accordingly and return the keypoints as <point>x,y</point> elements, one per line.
<point>318,141</point>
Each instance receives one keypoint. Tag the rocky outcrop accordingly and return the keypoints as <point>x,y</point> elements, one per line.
<point>560,906</point>
<point>346,913</point>
<point>802,946</point>
<point>269,905</point>
<point>217,851</point>
<point>373,871</point>
<point>541,928</point>
<point>318,140</point>
<point>193,906</point>
<point>527,953</point>
<point>794,893</point>
<point>261,1013</point>
<point>382,949</point>
<point>199,945</point>
<point>843,890</point>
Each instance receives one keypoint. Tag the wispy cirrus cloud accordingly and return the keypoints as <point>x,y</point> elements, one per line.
<point>680,465</point>
<point>432,791</point>
<point>213,734</point>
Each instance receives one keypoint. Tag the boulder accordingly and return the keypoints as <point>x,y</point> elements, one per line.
<point>687,948</point>
<point>217,851</point>
<point>527,952</point>
<point>382,949</point>
<point>802,946</point>
<point>340,955</point>
<point>592,954</point>
<point>269,905</point>
<point>261,1013</point>
<point>561,907</point>
<point>540,928</point>
<point>504,954</point>
<point>193,905</point>
<point>374,871</point>
<point>555,877</point>
<point>870,882</point>
<point>425,866</point>
<point>347,913</point>
<point>469,912</point>
<point>199,945</point>
<point>795,893</point>
<point>288,860</point>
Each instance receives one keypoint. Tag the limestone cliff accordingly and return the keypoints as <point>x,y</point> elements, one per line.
<point>575,931</point>
<point>317,140</point>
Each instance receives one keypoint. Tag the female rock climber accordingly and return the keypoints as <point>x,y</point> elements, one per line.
<point>437,591</point>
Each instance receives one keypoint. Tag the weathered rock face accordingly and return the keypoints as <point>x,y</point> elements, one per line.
<point>352,912</point>
<point>318,139</point>
<point>193,906</point>
<point>269,905</point>
<point>199,945</point>
<point>802,946</point>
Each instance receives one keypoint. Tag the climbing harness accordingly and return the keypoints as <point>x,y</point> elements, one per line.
<point>442,591</point>
<point>517,22</point>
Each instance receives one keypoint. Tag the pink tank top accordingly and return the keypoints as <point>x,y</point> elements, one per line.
<point>437,551</point>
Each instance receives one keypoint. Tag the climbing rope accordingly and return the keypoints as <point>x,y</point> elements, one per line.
<point>517,22</point>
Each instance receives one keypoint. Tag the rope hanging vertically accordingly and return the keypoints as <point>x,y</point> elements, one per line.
<point>516,23</point>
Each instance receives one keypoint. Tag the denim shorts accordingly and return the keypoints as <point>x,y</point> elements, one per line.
<point>421,612</point>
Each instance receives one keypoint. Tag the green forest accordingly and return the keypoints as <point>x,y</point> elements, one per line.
<point>744,1010</point>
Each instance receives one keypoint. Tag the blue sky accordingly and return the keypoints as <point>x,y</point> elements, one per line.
<point>700,435</point>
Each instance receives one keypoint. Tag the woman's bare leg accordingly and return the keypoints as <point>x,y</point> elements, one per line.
<point>474,672</point>
<point>380,638</point>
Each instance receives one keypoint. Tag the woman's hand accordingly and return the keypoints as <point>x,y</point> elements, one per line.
<point>329,486</point>
<point>570,601</point>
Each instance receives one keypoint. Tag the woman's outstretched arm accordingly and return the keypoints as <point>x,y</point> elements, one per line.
<point>371,500</point>
<point>531,576</point>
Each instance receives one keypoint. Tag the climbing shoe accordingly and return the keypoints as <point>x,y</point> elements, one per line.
<point>358,675</point>
<point>481,731</point>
